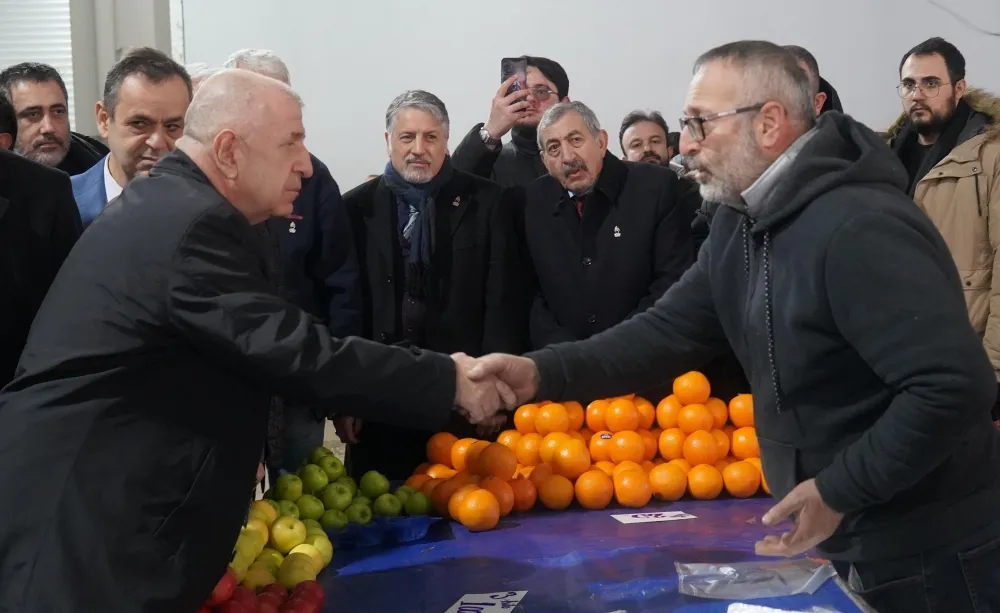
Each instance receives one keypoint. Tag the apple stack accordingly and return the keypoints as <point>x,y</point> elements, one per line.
<point>228,597</point>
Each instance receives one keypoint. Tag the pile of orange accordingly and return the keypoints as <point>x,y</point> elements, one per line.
<point>620,448</point>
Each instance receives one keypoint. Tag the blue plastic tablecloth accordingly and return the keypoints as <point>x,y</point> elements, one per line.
<point>573,561</point>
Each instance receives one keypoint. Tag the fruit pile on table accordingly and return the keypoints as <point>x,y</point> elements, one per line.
<point>623,449</point>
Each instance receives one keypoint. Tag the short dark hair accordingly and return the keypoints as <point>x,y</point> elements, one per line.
<point>8,119</point>
<point>553,72</point>
<point>30,71</point>
<point>803,55</point>
<point>638,117</point>
<point>151,63</point>
<point>954,61</point>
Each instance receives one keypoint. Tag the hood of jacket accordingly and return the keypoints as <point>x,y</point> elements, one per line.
<point>832,98</point>
<point>982,102</point>
<point>838,151</point>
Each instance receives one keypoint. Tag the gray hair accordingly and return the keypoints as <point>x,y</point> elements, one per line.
<point>261,61</point>
<point>199,71</point>
<point>770,73</point>
<point>230,100</point>
<point>421,100</point>
<point>559,110</point>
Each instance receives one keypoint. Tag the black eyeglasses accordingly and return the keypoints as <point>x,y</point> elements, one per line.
<point>929,89</point>
<point>696,125</point>
<point>540,92</point>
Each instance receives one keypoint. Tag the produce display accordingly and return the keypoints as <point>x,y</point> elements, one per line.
<point>623,449</point>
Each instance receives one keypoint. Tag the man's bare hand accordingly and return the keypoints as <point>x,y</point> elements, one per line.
<point>814,522</point>
<point>480,400</point>
<point>507,110</point>
<point>348,429</point>
<point>519,374</point>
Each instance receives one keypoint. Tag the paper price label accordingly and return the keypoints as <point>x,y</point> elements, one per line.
<point>643,518</point>
<point>479,603</point>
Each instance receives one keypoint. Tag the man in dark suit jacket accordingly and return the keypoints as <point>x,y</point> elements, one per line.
<point>440,265</point>
<point>39,224</point>
<point>607,238</point>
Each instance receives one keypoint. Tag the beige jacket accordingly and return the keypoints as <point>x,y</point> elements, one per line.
<point>961,195</point>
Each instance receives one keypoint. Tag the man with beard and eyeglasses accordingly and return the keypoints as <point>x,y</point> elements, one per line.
<point>607,238</point>
<point>948,138</point>
<point>40,100</point>
<point>871,390</point>
<point>439,268</point>
<point>644,137</point>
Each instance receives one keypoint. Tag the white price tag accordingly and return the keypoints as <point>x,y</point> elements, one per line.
<point>643,518</point>
<point>478,603</point>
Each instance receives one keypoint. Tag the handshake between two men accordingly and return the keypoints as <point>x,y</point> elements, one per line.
<point>488,385</point>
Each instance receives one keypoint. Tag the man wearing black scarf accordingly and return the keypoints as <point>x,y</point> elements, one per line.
<point>440,267</point>
<point>948,139</point>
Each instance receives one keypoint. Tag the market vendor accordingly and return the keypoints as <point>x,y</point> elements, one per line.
<point>130,434</point>
<point>872,393</point>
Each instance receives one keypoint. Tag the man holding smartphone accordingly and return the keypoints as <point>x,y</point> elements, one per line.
<point>516,163</point>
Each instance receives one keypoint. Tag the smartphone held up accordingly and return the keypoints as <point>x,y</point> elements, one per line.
<point>517,66</point>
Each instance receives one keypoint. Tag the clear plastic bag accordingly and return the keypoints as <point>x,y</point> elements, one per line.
<point>739,607</point>
<point>749,580</point>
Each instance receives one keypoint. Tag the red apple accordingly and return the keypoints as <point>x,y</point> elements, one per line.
<point>246,598</point>
<point>230,607</point>
<point>269,598</point>
<point>298,604</point>
<point>224,589</point>
<point>267,606</point>
<point>277,589</point>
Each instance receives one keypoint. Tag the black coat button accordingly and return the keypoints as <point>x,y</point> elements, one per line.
<point>592,318</point>
<point>587,261</point>
<point>388,278</point>
<point>383,336</point>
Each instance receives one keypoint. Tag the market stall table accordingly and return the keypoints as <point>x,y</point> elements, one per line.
<point>573,561</point>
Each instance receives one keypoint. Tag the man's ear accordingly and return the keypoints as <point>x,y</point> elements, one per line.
<point>960,88</point>
<point>388,151</point>
<point>772,115</point>
<point>103,119</point>
<point>818,101</point>
<point>6,141</point>
<point>225,146</point>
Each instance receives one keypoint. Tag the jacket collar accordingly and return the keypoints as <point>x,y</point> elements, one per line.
<point>609,182</point>
<point>758,194</point>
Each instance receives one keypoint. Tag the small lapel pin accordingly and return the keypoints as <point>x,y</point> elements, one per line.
<point>618,232</point>
<point>291,228</point>
<point>457,202</point>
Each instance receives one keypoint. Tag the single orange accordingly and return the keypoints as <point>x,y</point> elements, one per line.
<point>551,444</point>
<point>627,446</point>
<point>442,493</point>
<point>421,469</point>
<point>524,418</point>
<point>682,464</point>
<point>667,412</point>
<point>542,473</point>
<point>576,436</point>
<point>551,418</point>
<point>457,497</point>
<point>556,493</point>
<point>719,411</point>
<point>695,417</point>
<point>472,457</point>
<point>479,511</point>
<point>525,495</point>
<point>440,471</point>
<point>572,459</point>
<point>742,480</point>
<point>439,448</point>
<point>632,488</point>
<point>576,414</point>
<point>625,466</point>
<point>459,450</point>
<point>415,481</point>
<point>606,467</point>
<point>621,415</point>
<point>647,413</point>
<point>704,482</point>
<point>502,491</point>
<point>647,465</point>
<point>650,442</point>
<point>527,449</point>
<point>668,482</point>
<point>741,411</point>
<point>671,443</point>
<point>595,415</point>
<point>724,462</point>
<point>760,469</point>
<point>600,446</point>
<point>498,461</point>
<point>722,441</point>
<point>745,443</point>
<point>700,448</point>
<point>692,388</point>
<point>594,490</point>
<point>427,489</point>
<point>509,438</point>
<point>729,429</point>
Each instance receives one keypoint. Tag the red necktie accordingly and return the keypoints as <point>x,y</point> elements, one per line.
<point>579,205</point>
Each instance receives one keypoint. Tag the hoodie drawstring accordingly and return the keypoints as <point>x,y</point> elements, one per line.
<point>768,302</point>
<point>979,202</point>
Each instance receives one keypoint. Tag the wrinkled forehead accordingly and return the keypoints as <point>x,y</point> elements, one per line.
<point>570,123</point>
<point>413,120</point>
<point>644,129</point>
<point>715,87</point>
<point>32,93</point>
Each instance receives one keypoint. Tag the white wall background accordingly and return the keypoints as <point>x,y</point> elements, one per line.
<point>349,59</point>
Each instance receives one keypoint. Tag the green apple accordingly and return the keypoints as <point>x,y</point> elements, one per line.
<point>313,478</point>
<point>387,505</point>
<point>359,513</point>
<point>332,466</point>
<point>310,507</point>
<point>351,485</point>
<point>289,509</point>
<point>288,487</point>
<point>336,496</point>
<point>333,519</point>
<point>317,454</point>
<point>417,504</point>
<point>362,500</point>
<point>373,484</point>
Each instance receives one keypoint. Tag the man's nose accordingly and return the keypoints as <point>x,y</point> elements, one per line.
<point>418,146</point>
<point>157,140</point>
<point>688,145</point>
<point>47,125</point>
<point>303,165</point>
